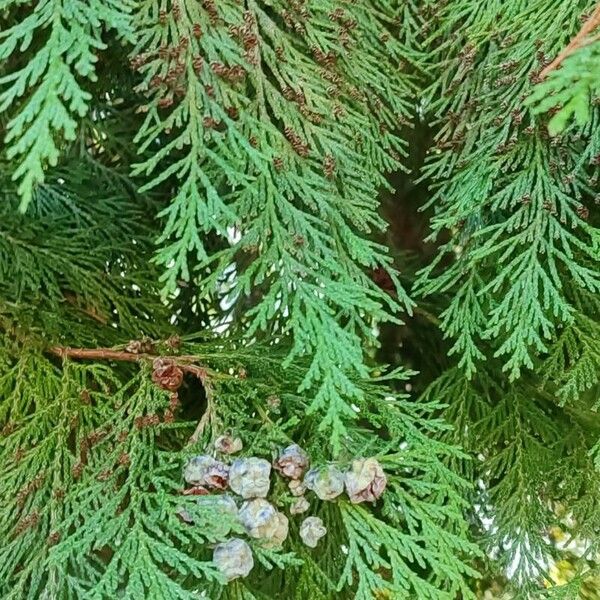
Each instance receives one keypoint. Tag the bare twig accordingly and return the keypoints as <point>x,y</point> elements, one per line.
<point>183,361</point>
<point>206,418</point>
<point>579,40</point>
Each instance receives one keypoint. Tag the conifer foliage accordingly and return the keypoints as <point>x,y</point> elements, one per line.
<point>194,283</point>
<point>514,201</point>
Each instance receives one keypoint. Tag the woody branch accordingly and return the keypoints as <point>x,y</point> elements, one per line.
<point>184,362</point>
<point>577,42</point>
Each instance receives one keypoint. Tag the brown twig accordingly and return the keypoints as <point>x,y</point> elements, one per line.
<point>183,362</point>
<point>207,416</point>
<point>579,40</point>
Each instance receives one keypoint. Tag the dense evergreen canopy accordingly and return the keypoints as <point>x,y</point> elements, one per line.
<point>366,227</point>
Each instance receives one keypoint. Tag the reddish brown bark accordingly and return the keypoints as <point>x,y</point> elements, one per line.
<point>183,362</point>
<point>579,40</point>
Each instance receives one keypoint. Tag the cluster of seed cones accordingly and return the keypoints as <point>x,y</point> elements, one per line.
<point>250,479</point>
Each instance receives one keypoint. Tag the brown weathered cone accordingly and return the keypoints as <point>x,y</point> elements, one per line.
<point>365,481</point>
<point>297,487</point>
<point>326,482</point>
<point>140,346</point>
<point>196,468</point>
<point>205,470</point>
<point>263,521</point>
<point>233,558</point>
<point>292,462</point>
<point>299,506</point>
<point>217,476</point>
<point>228,445</point>
<point>134,347</point>
<point>166,374</point>
<point>312,530</point>
<point>250,477</point>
